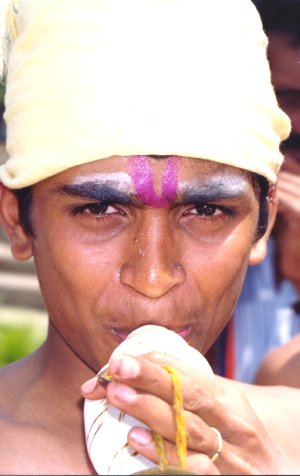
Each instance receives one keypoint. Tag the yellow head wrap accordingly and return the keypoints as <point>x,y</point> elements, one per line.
<point>88,79</point>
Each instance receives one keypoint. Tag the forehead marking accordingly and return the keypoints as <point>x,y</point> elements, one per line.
<point>142,176</point>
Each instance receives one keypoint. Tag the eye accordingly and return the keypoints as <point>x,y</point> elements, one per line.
<point>95,210</point>
<point>99,209</point>
<point>208,210</point>
<point>208,221</point>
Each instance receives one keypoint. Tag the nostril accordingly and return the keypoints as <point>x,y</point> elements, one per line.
<point>153,282</point>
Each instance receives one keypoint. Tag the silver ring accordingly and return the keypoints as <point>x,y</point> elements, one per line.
<point>216,455</point>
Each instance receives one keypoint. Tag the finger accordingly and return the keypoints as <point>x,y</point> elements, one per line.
<point>291,163</point>
<point>228,461</point>
<point>200,392</point>
<point>93,389</point>
<point>143,374</point>
<point>289,205</point>
<point>141,440</point>
<point>242,432</point>
<point>289,186</point>
<point>200,437</point>
<point>159,416</point>
<point>285,176</point>
<point>147,373</point>
<point>290,190</point>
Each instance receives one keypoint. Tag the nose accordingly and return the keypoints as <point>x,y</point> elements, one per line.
<point>152,266</point>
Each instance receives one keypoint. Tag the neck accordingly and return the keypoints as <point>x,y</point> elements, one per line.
<point>61,369</point>
<point>51,378</point>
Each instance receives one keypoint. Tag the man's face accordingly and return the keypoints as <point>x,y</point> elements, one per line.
<point>284,55</point>
<point>128,241</point>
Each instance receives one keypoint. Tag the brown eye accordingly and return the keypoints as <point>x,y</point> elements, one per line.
<point>207,210</point>
<point>99,209</point>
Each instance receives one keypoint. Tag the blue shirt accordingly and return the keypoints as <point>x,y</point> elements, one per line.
<point>264,317</point>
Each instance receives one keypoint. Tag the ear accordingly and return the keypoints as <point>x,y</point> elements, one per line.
<point>20,241</point>
<point>259,248</point>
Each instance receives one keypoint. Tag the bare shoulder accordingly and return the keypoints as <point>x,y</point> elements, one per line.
<point>25,446</point>
<point>281,366</point>
<point>14,437</point>
<point>11,381</point>
<point>38,434</point>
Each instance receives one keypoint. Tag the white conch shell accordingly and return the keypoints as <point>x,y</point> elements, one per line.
<point>106,427</point>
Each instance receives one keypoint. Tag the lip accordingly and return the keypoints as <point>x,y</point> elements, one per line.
<point>121,334</point>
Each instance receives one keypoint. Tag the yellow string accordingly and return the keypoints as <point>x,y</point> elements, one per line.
<point>160,450</point>
<point>181,434</point>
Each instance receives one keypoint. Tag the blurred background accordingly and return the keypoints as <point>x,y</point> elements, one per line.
<point>23,321</point>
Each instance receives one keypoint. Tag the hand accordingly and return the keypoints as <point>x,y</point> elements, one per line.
<point>288,194</point>
<point>142,388</point>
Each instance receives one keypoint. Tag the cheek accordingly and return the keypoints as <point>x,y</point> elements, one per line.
<point>76,281</point>
<point>219,271</point>
<point>72,271</point>
<point>224,256</point>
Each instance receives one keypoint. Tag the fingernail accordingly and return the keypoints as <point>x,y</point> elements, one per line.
<point>125,366</point>
<point>140,436</point>
<point>89,385</point>
<point>124,393</point>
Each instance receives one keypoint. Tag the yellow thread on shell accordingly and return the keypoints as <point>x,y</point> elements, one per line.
<point>104,376</point>
<point>160,450</point>
<point>181,434</point>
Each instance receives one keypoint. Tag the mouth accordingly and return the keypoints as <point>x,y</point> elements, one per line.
<point>122,334</point>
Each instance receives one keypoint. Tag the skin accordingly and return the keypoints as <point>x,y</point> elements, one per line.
<point>245,415</point>
<point>281,366</point>
<point>144,279</point>
<point>109,263</point>
<point>141,173</point>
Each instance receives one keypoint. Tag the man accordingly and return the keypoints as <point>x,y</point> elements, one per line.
<point>267,315</point>
<point>141,202</point>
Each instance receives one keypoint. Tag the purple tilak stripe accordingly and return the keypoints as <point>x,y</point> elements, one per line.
<point>142,176</point>
<point>170,179</point>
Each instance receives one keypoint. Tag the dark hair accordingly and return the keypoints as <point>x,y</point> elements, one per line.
<point>24,196</point>
<point>263,216</point>
<point>280,15</point>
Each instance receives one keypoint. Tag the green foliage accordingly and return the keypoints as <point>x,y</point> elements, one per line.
<point>18,339</point>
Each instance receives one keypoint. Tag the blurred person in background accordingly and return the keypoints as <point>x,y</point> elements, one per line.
<point>268,313</point>
<point>281,366</point>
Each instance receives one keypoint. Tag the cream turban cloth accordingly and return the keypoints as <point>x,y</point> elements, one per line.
<point>88,79</point>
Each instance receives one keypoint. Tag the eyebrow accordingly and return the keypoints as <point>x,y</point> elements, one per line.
<point>196,192</point>
<point>98,191</point>
<point>211,192</point>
